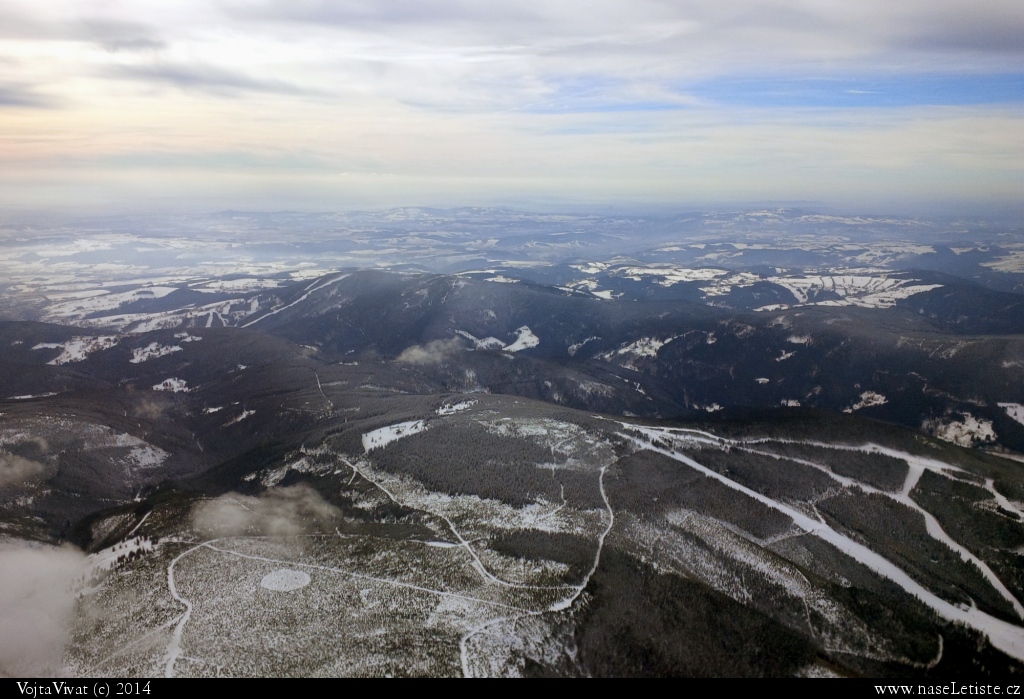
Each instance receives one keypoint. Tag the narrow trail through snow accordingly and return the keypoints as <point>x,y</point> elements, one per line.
<point>559,606</point>
<point>316,286</point>
<point>477,564</point>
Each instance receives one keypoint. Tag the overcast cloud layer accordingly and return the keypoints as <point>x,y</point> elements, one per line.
<point>316,104</point>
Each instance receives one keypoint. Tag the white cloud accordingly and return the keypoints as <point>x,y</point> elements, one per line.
<point>36,606</point>
<point>473,100</point>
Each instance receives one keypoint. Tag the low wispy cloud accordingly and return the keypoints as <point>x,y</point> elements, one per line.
<point>375,13</point>
<point>13,95</point>
<point>433,352</point>
<point>115,35</point>
<point>36,608</point>
<point>17,469</point>
<point>201,77</point>
<point>277,512</point>
<point>110,33</point>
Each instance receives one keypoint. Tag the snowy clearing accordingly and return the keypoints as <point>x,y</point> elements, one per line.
<point>147,456</point>
<point>285,580</point>
<point>385,435</point>
<point>525,340</point>
<point>867,400</point>
<point>152,351</point>
<point>633,351</point>
<point>966,432</point>
<point>670,274</point>
<point>78,348</point>
<point>1014,410</point>
<point>173,385</point>
<point>487,343</point>
<point>103,560</point>
<point>455,408</point>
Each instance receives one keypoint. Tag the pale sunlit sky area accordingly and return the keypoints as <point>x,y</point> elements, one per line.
<point>309,104</point>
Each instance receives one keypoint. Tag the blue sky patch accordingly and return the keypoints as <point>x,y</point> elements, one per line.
<point>889,91</point>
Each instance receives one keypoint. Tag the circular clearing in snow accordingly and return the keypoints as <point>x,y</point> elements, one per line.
<point>284,580</point>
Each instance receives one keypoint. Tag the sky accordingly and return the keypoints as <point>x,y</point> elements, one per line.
<point>317,105</point>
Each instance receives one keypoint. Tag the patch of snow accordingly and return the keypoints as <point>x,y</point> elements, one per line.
<point>525,340</point>
<point>487,343</point>
<point>868,291</point>
<point>670,274</point>
<point>502,279</point>
<point>236,420</point>
<point>573,349</point>
<point>285,580</point>
<point>784,356</point>
<point>81,307</point>
<point>1014,410</point>
<point>385,435</point>
<point>790,403</point>
<point>591,267</point>
<point>457,407</point>
<point>606,294</point>
<point>867,400</point>
<point>644,347</point>
<point>38,395</point>
<point>152,351</point>
<point>592,387</point>
<point>762,380</point>
<point>799,339</point>
<point>1012,263</point>
<point>234,285</point>
<point>147,456</point>
<point>966,432</point>
<point>722,287</point>
<point>173,385</point>
<point>108,557</point>
<point>208,411</point>
<point>78,348</point>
